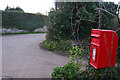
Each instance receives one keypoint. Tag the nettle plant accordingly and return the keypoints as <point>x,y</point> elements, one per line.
<point>76,56</point>
<point>72,68</point>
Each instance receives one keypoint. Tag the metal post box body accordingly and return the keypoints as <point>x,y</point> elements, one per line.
<point>103,48</point>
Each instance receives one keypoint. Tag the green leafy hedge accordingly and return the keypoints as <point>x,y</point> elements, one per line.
<point>20,20</point>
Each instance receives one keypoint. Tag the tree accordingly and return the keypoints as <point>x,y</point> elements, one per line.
<point>74,19</point>
<point>7,8</point>
<point>17,9</point>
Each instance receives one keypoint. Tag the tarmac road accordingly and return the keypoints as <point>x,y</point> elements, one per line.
<point>23,58</point>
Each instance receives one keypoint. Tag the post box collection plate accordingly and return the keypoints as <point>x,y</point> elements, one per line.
<point>94,52</point>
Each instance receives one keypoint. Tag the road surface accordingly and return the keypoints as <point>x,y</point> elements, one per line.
<point>23,58</point>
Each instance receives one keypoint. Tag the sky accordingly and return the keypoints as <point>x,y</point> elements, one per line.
<point>32,6</point>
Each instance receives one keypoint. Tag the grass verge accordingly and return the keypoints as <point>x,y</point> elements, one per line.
<point>21,33</point>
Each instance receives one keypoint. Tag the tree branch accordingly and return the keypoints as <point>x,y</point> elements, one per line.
<point>106,11</point>
<point>117,30</point>
<point>89,21</point>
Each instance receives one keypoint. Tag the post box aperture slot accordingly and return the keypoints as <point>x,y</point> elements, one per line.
<point>95,35</point>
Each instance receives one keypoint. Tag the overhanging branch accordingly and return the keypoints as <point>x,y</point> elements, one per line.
<point>117,30</point>
<point>89,21</point>
<point>106,11</point>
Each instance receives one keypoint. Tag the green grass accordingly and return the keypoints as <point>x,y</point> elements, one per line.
<point>22,33</point>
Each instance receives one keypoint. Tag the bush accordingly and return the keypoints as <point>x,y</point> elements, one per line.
<point>66,23</point>
<point>67,71</point>
<point>72,69</point>
<point>57,45</point>
<point>101,74</point>
<point>49,45</point>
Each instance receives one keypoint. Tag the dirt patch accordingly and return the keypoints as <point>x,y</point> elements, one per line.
<point>62,53</point>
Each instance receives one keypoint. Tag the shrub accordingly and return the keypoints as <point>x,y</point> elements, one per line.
<point>66,22</point>
<point>57,45</point>
<point>72,69</point>
<point>101,74</point>
<point>49,45</point>
<point>63,45</point>
<point>67,71</point>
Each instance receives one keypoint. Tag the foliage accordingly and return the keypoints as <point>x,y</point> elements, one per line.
<point>66,23</point>
<point>66,72</point>
<point>69,71</point>
<point>76,56</point>
<point>101,74</point>
<point>57,45</point>
<point>49,45</point>
<point>72,69</point>
<point>76,51</point>
<point>60,25</point>
<point>109,22</point>
<point>25,21</point>
<point>17,9</point>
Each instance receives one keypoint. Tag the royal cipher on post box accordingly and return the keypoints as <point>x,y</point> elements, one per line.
<point>103,48</point>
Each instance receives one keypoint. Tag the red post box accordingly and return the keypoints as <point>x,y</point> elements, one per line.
<point>103,48</point>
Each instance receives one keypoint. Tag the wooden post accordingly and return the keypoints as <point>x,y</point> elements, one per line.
<point>55,6</point>
<point>100,16</point>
